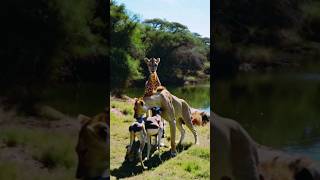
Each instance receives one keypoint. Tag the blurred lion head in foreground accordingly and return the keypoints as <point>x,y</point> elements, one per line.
<point>93,147</point>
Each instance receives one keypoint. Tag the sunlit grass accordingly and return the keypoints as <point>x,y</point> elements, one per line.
<point>192,163</point>
<point>15,171</point>
<point>189,164</point>
<point>52,150</point>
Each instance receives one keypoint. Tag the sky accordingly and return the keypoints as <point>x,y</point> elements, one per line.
<point>195,14</point>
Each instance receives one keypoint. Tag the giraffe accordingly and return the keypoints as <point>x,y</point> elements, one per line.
<point>153,81</point>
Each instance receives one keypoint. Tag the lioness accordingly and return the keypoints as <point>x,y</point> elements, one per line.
<point>93,148</point>
<point>236,156</point>
<point>175,110</point>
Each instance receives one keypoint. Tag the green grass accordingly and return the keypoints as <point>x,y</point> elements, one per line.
<point>14,171</point>
<point>191,163</point>
<point>125,107</point>
<point>187,165</point>
<point>51,149</point>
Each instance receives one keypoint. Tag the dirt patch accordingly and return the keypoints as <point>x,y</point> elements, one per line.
<point>117,112</point>
<point>123,98</point>
<point>62,122</point>
<point>18,155</point>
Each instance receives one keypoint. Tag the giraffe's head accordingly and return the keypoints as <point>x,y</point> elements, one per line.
<point>152,64</point>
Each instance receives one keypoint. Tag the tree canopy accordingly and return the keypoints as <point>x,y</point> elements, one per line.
<point>75,41</point>
<point>182,52</point>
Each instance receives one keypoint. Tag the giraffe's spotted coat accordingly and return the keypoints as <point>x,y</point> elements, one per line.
<point>153,81</point>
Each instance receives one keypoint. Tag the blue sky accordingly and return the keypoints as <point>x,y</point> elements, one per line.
<point>195,14</point>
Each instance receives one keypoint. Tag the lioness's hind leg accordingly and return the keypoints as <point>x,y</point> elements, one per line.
<point>182,131</point>
<point>186,114</point>
<point>170,117</point>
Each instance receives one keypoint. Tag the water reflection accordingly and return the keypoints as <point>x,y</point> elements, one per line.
<point>278,110</point>
<point>196,96</point>
<point>90,99</point>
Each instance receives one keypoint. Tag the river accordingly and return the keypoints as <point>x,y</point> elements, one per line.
<point>197,96</point>
<point>279,110</point>
<point>90,99</point>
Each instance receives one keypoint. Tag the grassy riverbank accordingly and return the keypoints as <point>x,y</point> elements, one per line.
<point>45,147</point>
<point>191,163</point>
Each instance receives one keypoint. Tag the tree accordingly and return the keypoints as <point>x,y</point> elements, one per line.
<point>126,49</point>
<point>183,53</point>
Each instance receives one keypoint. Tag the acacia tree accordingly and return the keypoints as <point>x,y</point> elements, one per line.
<point>182,52</point>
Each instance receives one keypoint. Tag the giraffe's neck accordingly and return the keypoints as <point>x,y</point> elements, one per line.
<point>155,79</point>
<point>152,84</point>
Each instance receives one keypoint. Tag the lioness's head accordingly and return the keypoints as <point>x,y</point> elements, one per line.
<point>93,147</point>
<point>139,107</point>
<point>152,64</point>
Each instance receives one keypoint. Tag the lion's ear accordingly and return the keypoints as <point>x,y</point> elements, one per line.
<point>146,60</point>
<point>158,60</point>
<point>83,119</point>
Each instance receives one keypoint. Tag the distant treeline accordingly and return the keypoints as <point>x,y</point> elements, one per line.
<point>184,55</point>
<point>56,41</point>
<point>262,35</point>
<point>47,42</point>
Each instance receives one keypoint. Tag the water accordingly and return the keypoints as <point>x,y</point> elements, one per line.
<point>90,99</point>
<point>197,96</point>
<point>278,110</point>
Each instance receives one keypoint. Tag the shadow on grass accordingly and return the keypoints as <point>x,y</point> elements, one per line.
<point>134,168</point>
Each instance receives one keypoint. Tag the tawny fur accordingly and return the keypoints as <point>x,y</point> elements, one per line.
<point>175,111</point>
